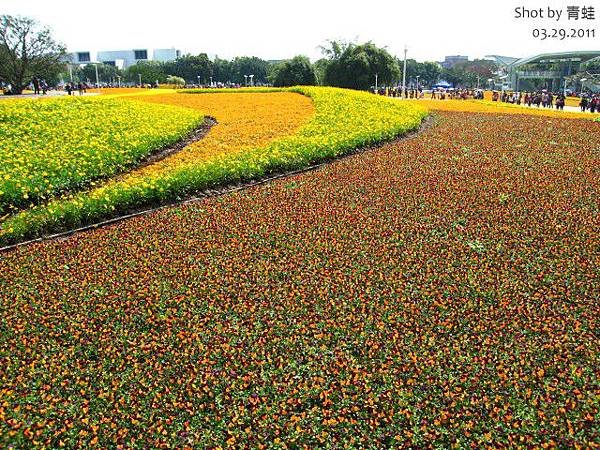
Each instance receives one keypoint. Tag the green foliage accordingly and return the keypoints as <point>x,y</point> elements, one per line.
<point>429,72</point>
<point>178,81</point>
<point>249,65</point>
<point>293,72</point>
<point>222,70</point>
<point>355,66</point>
<point>150,71</point>
<point>593,65</point>
<point>465,73</point>
<point>27,51</point>
<point>191,68</point>
<point>319,67</point>
<point>105,73</point>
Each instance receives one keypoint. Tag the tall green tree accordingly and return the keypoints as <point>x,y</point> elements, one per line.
<point>28,50</point>
<point>250,65</point>
<point>150,72</point>
<point>105,73</point>
<point>192,68</point>
<point>223,70</point>
<point>355,66</point>
<point>428,72</point>
<point>319,66</point>
<point>296,71</point>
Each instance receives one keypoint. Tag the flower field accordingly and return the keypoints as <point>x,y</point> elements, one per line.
<point>257,133</point>
<point>437,292</point>
<point>54,146</point>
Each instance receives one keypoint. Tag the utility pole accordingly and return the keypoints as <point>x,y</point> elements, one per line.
<point>404,71</point>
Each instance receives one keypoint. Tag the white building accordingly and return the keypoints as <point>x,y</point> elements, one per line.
<point>165,54</point>
<point>125,58</point>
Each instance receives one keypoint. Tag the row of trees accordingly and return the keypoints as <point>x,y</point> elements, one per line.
<point>27,51</point>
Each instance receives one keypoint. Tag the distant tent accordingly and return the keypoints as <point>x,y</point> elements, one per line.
<point>442,84</point>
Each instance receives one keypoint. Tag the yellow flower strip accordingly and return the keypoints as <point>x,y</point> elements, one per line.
<point>59,145</point>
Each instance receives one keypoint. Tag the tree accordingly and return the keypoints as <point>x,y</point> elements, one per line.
<point>177,81</point>
<point>27,51</point>
<point>250,65</point>
<point>222,70</point>
<point>428,72</point>
<point>105,73</point>
<point>320,66</point>
<point>465,74</point>
<point>355,66</point>
<point>190,67</point>
<point>148,71</point>
<point>296,71</point>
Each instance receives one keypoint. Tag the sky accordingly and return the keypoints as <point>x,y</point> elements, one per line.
<point>270,29</point>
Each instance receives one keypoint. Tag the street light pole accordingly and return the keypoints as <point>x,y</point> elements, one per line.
<point>198,76</point>
<point>246,80</point>
<point>404,71</point>
<point>140,78</point>
<point>418,76</point>
<point>251,80</point>
<point>97,80</point>
<point>376,83</point>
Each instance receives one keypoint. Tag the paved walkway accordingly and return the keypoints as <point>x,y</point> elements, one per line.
<point>567,108</point>
<point>48,95</point>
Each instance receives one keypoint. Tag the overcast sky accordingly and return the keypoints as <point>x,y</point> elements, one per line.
<point>272,30</point>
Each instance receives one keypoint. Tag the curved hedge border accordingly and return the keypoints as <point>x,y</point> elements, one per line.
<point>344,120</point>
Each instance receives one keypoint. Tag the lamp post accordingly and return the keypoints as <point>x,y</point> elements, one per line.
<point>198,76</point>
<point>97,80</point>
<point>376,82</point>
<point>210,81</point>
<point>246,80</point>
<point>251,79</point>
<point>418,76</point>
<point>140,78</point>
<point>404,71</point>
<point>119,80</point>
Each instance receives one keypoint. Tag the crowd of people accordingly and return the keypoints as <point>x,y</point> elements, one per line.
<point>39,86</point>
<point>547,99</point>
<point>398,92</point>
<point>71,88</point>
<point>456,94</point>
<point>543,98</point>
<point>591,102</point>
